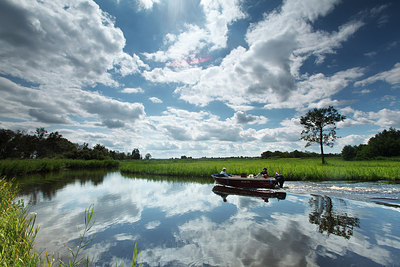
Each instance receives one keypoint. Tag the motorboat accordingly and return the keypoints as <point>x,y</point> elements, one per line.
<point>245,181</point>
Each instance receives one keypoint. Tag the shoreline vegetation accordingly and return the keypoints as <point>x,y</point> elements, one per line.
<point>18,233</point>
<point>294,169</point>
<point>31,166</point>
<point>17,229</point>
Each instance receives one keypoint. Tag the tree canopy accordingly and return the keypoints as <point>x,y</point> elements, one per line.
<point>383,144</point>
<point>20,145</point>
<point>320,127</point>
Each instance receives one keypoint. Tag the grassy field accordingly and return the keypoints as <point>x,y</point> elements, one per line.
<point>292,169</point>
<point>22,167</point>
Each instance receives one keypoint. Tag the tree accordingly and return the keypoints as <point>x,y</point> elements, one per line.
<point>386,143</point>
<point>148,156</point>
<point>136,154</point>
<point>320,125</point>
<point>349,152</point>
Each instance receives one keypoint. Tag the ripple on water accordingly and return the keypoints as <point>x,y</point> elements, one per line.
<point>379,192</point>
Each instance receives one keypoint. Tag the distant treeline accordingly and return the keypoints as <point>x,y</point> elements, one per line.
<point>384,144</point>
<point>293,154</point>
<point>20,145</point>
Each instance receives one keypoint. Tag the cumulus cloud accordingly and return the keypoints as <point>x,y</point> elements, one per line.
<point>53,43</point>
<point>58,106</point>
<point>219,14</point>
<point>242,118</point>
<point>383,118</point>
<point>147,4</point>
<point>132,90</point>
<point>109,109</point>
<point>391,76</point>
<point>58,48</point>
<point>268,71</point>
<point>155,99</point>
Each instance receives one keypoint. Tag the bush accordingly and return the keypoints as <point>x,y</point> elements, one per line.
<point>348,152</point>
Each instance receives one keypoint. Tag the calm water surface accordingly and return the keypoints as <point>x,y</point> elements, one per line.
<point>187,224</point>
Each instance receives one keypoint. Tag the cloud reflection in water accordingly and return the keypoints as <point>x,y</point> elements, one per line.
<point>182,224</point>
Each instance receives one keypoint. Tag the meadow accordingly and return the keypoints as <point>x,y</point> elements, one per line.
<point>292,168</point>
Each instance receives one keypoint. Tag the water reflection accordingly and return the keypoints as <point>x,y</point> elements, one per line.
<point>330,220</point>
<point>187,224</point>
<point>48,184</point>
<point>225,191</point>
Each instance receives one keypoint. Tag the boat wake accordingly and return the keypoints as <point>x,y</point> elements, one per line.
<point>378,192</point>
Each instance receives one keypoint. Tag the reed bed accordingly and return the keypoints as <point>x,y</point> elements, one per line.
<point>292,169</point>
<point>23,167</point>
<point>17,229</point>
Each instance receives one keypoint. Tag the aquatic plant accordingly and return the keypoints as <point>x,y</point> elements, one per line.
<point>17,229</point>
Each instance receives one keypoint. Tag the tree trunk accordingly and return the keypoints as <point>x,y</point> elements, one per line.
<point>321,145</point>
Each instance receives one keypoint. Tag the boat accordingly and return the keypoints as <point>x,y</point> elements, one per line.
<point>249,182</point>
<point>265,194</point>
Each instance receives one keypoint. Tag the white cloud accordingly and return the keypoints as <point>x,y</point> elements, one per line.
<point>268,71</point>
<point>391,76</point>
<point>137,90</point>
<point>155,100</point>
<point>241,117</point>
<point>147,4</point>
<point>386,118</point>
<point>185,46</point>
<point>58,105</point>
<point>53,43</point>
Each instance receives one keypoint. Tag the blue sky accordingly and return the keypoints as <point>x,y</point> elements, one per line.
<point>198,78</point>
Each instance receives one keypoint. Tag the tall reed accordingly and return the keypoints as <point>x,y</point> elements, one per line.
<point>292,169</point>
<point>17,230</point>
<point>23,167</point>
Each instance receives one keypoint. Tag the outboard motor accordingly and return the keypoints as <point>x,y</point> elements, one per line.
<point>280,179</point>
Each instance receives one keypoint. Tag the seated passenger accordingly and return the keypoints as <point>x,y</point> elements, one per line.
<point>263,173</point>
<point>223,173</point>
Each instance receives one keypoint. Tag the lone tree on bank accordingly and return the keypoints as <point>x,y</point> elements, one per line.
<point>320,125</point>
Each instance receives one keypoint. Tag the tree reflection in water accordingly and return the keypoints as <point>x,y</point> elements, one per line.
<point>329,220</point>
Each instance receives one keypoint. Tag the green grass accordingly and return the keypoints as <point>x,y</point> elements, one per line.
<point>17,231</point>
<point>292,169</point>
<point>23,167</point>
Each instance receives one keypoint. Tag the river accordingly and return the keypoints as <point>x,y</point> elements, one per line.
<point>187,224</point>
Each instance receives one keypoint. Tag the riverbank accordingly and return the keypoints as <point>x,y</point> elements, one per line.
<point>23,167</point>
<point>294,169</point>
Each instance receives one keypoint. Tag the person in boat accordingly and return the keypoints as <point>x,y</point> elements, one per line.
<point>263,173</point>
<point>223,172</point>
<point>280,179</point>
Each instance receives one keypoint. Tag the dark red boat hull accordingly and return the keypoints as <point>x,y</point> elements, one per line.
<point>269,183</point>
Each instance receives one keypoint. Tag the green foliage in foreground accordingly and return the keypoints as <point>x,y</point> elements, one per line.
<point>23,167</point>
<point>17,230</point>
<point>292,169</point>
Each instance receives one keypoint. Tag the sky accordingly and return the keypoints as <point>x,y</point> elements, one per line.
<point>199,78</point>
